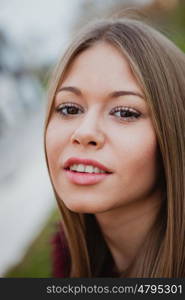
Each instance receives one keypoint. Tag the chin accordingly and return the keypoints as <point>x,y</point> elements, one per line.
<point>77,206</point>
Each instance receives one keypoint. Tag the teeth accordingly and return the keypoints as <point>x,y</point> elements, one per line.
<point>73,167</point>
<point>96,170</point>
<point>80,168</point>
<point>85,168</point>
<point>89,169</point>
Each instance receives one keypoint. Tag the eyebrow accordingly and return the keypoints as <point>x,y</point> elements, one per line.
<point>71,89</point>
<point>111,95</point>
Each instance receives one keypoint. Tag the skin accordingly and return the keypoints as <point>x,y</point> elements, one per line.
<point>126,202</point>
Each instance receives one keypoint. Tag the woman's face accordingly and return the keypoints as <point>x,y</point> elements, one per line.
<point>99,114</point>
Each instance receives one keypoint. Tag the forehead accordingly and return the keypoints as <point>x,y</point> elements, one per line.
<point>101,65</point>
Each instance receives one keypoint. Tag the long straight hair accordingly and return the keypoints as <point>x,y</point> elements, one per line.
<point>159,67</point>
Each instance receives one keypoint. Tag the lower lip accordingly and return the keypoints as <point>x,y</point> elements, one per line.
<point>85,178</point>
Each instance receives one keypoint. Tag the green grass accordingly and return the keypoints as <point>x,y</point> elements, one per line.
<point>37,260</point>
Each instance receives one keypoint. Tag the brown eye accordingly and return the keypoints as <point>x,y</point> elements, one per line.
<point>68,109</point>
<point>125,113</point>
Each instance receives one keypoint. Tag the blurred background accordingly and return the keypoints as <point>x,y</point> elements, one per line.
<point>33,35</point>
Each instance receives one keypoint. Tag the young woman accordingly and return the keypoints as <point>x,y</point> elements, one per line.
<point>115,149</point>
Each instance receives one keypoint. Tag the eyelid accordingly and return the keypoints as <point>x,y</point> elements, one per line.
<point>69,103</point>
<point>126,108</point>
<point>137,113</point>
<point>113,109</point>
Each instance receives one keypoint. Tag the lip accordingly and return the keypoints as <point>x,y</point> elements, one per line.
<point>85,178</point>
<point>85,161</point>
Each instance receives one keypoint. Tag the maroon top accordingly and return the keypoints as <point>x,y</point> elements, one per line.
<point>61,258</point>
<point>60,255</point>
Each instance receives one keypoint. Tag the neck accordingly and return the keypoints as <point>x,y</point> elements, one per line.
<point>125,228</point>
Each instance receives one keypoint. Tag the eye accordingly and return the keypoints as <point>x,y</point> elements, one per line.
<point>68,109</point>
<point>125,113</point>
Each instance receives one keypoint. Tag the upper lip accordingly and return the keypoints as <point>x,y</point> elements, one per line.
<point>85,161</point>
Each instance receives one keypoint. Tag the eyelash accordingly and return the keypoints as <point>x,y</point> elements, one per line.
<point>125,109</point>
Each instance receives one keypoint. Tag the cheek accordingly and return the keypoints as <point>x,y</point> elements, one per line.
<point>140,153</point>
<point>146,169</point>
<point>145,162</point>
<point>55,142</point>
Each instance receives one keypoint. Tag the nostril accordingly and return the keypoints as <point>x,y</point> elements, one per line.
<point>93,143</point>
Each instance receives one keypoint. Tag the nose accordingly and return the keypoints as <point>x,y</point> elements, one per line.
<point>89,133</point>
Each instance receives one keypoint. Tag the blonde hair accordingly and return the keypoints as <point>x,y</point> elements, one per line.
<point>159,67</point>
